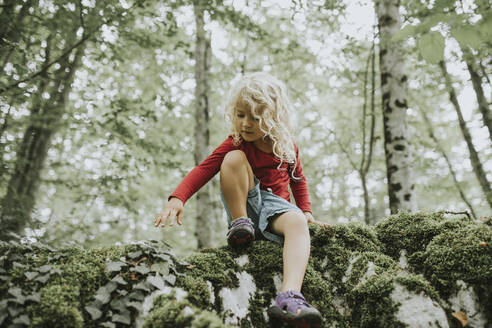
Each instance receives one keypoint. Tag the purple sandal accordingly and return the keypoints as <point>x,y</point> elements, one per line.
<point>241,233</point>
<point>291,308</point>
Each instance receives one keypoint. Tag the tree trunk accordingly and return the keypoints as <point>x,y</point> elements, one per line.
<point>365,163</point>
<point>483,106</point>
<point>205,209</point>
<point>394,101</point>
<point>19,201</point>
<point>475,160</point>
<point>430,130</point>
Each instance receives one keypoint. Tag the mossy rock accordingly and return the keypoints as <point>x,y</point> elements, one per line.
<point>389,300</point>
<point>332,248</point>
<point>411,232</point>
<point>354,277</point>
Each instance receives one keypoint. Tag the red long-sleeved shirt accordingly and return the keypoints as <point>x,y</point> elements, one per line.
<point>264,167</point>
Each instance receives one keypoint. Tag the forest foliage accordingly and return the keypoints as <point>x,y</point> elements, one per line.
<point>97,106</point>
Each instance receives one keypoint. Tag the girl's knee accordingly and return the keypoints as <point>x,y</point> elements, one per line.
<point>295,220</point>
<point>234,159</point>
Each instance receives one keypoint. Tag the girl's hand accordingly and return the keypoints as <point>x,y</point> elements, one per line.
<point>172,210</point>
<point>310,219</point>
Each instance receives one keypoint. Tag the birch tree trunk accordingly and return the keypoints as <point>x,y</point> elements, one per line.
<point>475,160</point>
<point>20,199</point>
<point>394,100</point>
<point>205,209</point>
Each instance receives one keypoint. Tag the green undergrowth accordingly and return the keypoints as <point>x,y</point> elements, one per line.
<point>168,312</point>
<point>351,274</point>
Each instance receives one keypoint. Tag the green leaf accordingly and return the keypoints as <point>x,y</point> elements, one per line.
<point>134,255</point>
<point>156,281</point>
<point>161,267</point>
<point>171,279</point>
<point>35,297</point>
<point>22,320</point>
<point>94,312</point>
<point>142,269</point>
<point>31,275</point>
<point>45,268</point>
<point>115,266</point>
<point>404,33</point>
<point>431,47</point>
<point>108,324</point>
<point>119,280</point>
<point>467,36</point>
<point>122,318</point>
<point>43,279</point>
<point>103,294</point>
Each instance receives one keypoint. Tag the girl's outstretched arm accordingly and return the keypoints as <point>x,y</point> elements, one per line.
<point>172,210</point>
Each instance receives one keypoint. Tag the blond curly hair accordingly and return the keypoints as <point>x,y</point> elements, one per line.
<point>267,98</point>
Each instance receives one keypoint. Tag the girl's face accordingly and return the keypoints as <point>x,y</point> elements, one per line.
<point>247,126</point>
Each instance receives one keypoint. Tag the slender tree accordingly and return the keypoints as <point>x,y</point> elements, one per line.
<point>440,149</point>
<point>205,205</point>
<point>475,160</point>
<point>476,80</point>
<point>394,102</point>
<point>44,122</point>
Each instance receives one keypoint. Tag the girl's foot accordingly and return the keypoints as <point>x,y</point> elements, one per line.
<point>241,233</point>
<point>291,308</point>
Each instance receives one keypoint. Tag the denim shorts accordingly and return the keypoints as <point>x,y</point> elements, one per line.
<point>262,207</point>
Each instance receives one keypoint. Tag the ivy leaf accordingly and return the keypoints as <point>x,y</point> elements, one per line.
<point>165,257</point>
<point>161,267</point>
<point>17,293</point>
<point>136,305</point>
<point>22,320</point>
<point>142,286</point>
<point>103,294</point>
<point>124,319</point>
<point>156,281</point>
<point>142,269</point>
<point>431,47</point>
<point>115,266</point>
<point>45,268</point>
<point>108,324</point>
<point>3,316</point>
<point>35,297</point>
<point>134,255</point>
<point>94,312</point>
<point>171,279</point>
<point>119,280</point>
<point>43,279</point>
<point>31,275</point>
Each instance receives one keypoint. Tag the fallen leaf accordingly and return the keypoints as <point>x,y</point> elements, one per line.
<point>461,317</point>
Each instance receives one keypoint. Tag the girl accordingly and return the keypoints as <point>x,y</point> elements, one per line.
<point>257,164</point>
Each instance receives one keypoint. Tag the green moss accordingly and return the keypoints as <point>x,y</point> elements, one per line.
<point>216,265</point>
<point>332,248</point>
<point>360,265</point>
<point>462,254</point>
<point>198,292</point>
<point>59,307</point>
<point>409,231</point>
<point>169,313</point>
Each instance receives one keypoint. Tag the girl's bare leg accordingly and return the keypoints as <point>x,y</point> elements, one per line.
<point>293,226</point>
<point>236,179</point>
